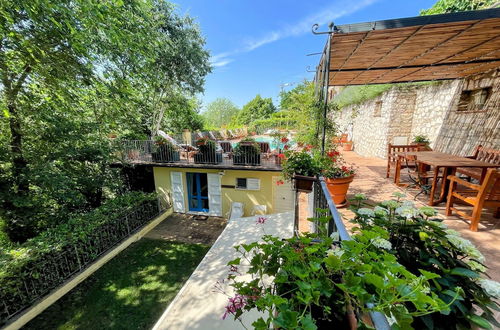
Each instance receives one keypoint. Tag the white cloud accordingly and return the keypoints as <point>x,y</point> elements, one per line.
<point>331,13</point>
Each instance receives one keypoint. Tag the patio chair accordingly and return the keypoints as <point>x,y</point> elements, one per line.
<point>485,195</point>
<point>392,149</point>
<point>419,176</point>
<point>481,153</point>
<point>226,146</point>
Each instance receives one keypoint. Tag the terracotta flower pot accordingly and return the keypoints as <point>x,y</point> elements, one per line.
<point>304,183</point>
<point>347,146</point>
<point>338,189</point>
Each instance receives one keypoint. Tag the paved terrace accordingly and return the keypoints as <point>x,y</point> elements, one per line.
<point>199,305</point>
<point>371,181</point>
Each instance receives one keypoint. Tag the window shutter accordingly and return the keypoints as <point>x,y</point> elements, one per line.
<point>253,184</point>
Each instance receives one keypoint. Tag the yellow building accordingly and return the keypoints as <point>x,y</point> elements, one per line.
<point>211,191</point>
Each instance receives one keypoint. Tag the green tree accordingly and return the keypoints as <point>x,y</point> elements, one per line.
<point>71,72</point>
<point>219,113</point>
<point>451,6</point>
<point>258,108</point>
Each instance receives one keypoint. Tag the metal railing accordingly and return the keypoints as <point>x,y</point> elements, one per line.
<point>182,153</point>
<point>54,268</point>
<point>323,202</point>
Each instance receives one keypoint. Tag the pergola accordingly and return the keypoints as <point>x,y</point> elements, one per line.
<point>422,48</point>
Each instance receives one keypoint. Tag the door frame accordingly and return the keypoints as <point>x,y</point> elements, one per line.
<point>196,176</point>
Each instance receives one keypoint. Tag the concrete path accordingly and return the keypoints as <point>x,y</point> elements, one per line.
<point>198,305</point>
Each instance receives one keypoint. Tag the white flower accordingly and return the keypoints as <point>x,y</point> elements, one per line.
<point>475,265</point>
<point>366,211</point>
<point>391,204</point>
<point>452,232</point>
<point>380,211</point>
<point>465,246</point>
<point>336,252</point>
<point>398,194</point>
<point>492,288</point>
<point>408,204</point>
<point>381,243</point>
<point>407,212</point>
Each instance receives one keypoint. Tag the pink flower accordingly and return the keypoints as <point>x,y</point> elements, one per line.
<point>261,220</point>
<point>236,303</point>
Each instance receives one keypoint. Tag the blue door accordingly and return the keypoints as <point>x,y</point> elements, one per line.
<point>197,191</point>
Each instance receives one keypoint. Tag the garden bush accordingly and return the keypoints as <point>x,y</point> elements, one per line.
<point>35,267</point>
<point>421,241</point>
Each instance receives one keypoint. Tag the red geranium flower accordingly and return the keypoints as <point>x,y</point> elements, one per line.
<point>281,156</point>
<point>309,147</point>
<point>284,139</point>
<point>280,182</point>
<point>286,147</point>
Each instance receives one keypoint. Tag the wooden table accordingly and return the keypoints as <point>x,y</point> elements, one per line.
<point>438,160</point>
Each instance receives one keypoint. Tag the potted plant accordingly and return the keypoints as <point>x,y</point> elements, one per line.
<point>207,152</point>
<point>164,151</point>
<point>246,152</point>
<point>313,282</point>
<point>347,146</point>
<point>300,166</point>
<point>422,242</point>
<point>338,176</point>
<point>421,139</point>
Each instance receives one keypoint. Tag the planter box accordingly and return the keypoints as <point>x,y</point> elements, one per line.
<point>208,158</point>
<point>165,155</point>
<point>303,183</point>
<point>250,160</point>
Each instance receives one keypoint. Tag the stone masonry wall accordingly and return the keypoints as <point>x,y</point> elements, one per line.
<point>429,110</point>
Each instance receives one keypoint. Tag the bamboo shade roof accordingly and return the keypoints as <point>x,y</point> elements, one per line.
<point>422,48</point>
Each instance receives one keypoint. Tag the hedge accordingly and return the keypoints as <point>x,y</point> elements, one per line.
<point>42,263</point>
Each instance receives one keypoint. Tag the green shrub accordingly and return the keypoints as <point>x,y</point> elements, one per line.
<point>47,260</point>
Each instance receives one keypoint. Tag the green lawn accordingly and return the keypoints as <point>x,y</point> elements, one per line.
<point>129,292</point>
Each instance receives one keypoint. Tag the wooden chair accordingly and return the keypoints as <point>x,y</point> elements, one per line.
<point>486,195</point>
<point>265,149</point>
<point>483,154</point>
<point>393,149</point>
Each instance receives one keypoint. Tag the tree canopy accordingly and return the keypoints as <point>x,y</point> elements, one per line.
<point>451,6</point>
<point>219,113</point>
<point>257,108</point>
<point>71,73</point>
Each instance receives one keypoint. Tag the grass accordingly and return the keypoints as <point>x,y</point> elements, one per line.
<point>129,292</point>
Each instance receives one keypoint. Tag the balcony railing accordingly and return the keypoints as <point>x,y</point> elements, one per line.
<point>148,151</point>
<point>323,203</point>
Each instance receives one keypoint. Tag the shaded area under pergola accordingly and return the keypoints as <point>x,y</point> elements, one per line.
<point>422,48</point>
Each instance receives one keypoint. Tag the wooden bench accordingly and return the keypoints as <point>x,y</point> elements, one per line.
<point>486,195</point>
<point>481,153</point>
<point>392,149</point>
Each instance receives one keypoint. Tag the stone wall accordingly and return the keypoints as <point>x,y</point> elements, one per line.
<point>428,109</point>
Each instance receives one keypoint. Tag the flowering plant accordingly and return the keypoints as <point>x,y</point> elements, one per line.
<point>300,162</point>
<point>334,166</point>
<point>319,283</point>
<point>422,242</point>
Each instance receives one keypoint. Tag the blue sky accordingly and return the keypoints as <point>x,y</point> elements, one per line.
<point>258,45</point>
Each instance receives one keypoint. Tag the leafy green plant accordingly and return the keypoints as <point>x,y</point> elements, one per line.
<point>247,146</point>
<point>320,283</point>
<point>302,162</point>
<point>421,139</point>
<point>421,242</point>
